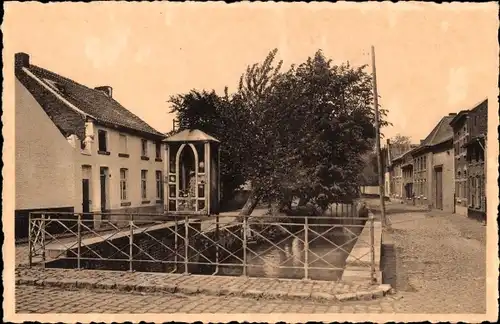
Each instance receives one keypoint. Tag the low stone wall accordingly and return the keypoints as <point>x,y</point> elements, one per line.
<point>358,263</point>
<point>388,261</point>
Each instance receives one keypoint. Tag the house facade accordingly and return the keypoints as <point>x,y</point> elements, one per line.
<point>397,172</point>
<point>475,153</point>
<point>460,128</point>
<point>79,150</point>
<point>434,168</point>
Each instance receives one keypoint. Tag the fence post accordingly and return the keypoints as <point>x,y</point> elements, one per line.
<point>245,222</point>
<point>43,241</point>
<point>30,243</point>
<point>372,248</point>
<point>176,234</point>
<point>217,235</point>
<point>79,241</point>
<point>186,244</point>
<point>306,248</point>
<point>131,243</point>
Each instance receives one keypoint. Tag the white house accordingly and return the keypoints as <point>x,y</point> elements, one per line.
<point>79,150</point>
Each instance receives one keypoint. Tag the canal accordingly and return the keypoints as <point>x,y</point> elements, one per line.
<point>285,257</point>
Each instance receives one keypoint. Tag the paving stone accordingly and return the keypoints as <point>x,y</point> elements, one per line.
<point>347,296</point>
<point>252,293</point>
<point>188,290</point>
<point>322,296</point>
<point>105,284</point>
<point>86,283</point>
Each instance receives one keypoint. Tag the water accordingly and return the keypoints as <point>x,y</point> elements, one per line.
<point>287,259</point>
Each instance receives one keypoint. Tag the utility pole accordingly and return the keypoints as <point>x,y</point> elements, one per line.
<point>377,134</point>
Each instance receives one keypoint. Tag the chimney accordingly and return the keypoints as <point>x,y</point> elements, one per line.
<point>108,91</point>
<point>21,60</point>
<point>452,114</point>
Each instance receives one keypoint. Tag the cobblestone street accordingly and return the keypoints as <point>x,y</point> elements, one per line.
<point>441,264</point>
<point>441,261</point>
<point>32,299</point>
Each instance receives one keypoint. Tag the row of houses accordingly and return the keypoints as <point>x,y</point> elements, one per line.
<point>79,150</point>
<point>447,170</point>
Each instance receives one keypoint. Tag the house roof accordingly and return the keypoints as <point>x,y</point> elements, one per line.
<point>47,87</point>
<point>442,132</point>
<point>408,150</point>
<point>458,117</point>
<point>191,135</point>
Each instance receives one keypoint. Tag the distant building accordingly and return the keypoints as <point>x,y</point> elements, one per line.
<point>397,154</point>
<point>434,166</point>
<point>476,160</point>
<point>460,136</point>
<point>79,150</point>
<point>469,136</point>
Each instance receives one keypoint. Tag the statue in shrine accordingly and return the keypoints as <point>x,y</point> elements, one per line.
<point>193,172</point>
<point>192,184</point>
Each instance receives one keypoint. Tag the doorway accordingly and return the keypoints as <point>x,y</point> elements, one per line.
<point>104,187</point>
<point>86,196</point>
<point>438,175</point>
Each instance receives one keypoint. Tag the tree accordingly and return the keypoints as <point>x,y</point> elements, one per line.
<point>315,121</point>
<point>221,117</point>
<point>399,139</point>
<point>300,133</point>
<point>400,144</point>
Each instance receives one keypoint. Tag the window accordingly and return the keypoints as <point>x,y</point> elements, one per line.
<point>144,147</point>
<point>457,189</point>
<point>159,185</point>
<point>472,187</point>
<point>478,192</point>
<point>102,138</point>
<point>158,150</point>
<point>144,180</point>
<point>123,143</point>
<point>123,184</point>
<point>466,189</point>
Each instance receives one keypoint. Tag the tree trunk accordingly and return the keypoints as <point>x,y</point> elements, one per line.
<point>250,205</point>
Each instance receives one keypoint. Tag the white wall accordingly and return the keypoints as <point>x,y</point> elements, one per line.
<point>114,163</point>
<point>45,165</point>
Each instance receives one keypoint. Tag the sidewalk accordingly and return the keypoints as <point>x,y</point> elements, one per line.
<point>269,288</point>
<point>440,261</point>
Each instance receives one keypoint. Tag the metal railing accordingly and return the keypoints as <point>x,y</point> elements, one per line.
<point>306,247</point>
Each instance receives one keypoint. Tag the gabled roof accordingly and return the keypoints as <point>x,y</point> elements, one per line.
<point>88,103</point>
<point>458,117</point>
<point>442,132</point>
<point>191,135</point>
<point>407,151</point>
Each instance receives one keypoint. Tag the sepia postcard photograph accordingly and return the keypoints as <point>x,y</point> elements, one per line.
<point>250,161</point>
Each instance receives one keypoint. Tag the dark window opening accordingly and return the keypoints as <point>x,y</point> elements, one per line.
<point>102,140</point>
<point>144,147</point>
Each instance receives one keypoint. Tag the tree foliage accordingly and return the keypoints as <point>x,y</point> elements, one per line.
<point>301,133</point>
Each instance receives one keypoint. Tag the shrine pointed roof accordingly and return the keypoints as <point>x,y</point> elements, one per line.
<point>191,135</point>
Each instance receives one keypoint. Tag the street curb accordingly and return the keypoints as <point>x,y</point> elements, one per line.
<point>378,291</point>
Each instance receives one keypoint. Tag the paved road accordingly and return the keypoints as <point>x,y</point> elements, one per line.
<point>32,299</point>
<point>441,268</point>
<point>441,261</point>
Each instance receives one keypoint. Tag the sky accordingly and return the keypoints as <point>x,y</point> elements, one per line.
<point>431,59</point>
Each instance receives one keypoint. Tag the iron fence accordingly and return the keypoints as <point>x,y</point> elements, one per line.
<point>307,247</point>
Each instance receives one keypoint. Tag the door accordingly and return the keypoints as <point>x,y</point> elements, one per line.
<point>439,188</point>
<point>104,174</point>
<point>86,195</point>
